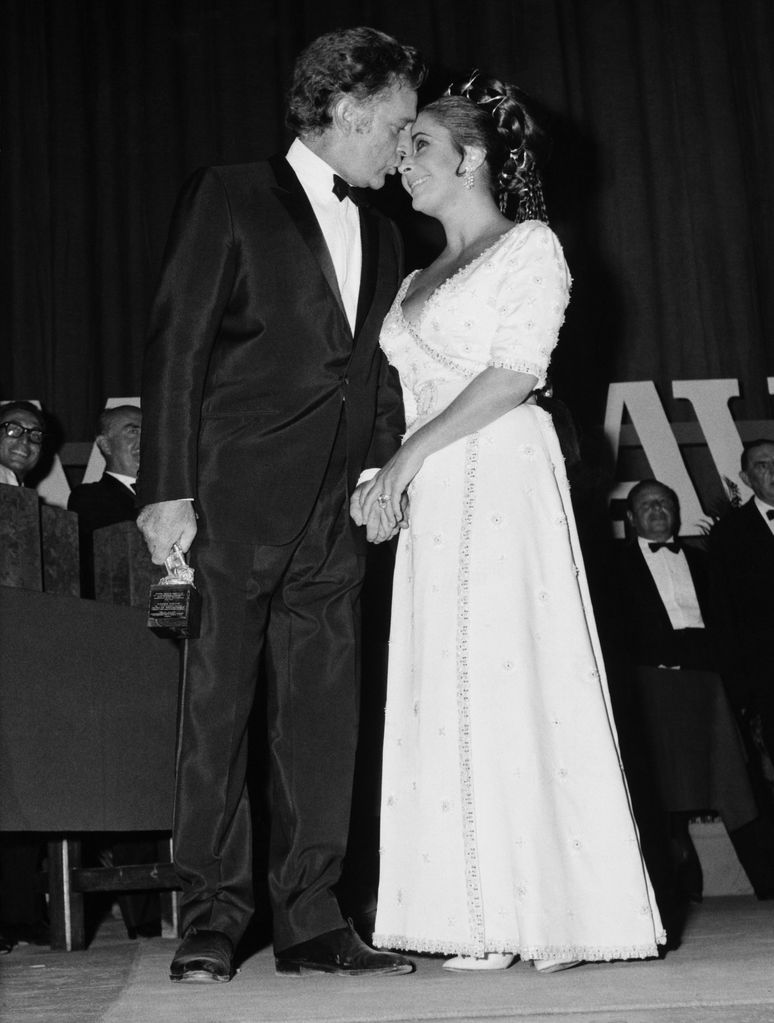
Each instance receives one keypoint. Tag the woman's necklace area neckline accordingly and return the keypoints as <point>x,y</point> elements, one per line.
<point>461,264</point>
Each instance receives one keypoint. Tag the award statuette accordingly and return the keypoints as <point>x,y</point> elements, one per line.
<point>174,603</point>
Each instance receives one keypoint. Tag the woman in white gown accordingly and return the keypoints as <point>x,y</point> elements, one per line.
<point>507,828</point>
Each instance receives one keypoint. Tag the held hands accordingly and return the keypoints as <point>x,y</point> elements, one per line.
<point>164,524</point>
<point>380,524</point>
<point>381,504</point>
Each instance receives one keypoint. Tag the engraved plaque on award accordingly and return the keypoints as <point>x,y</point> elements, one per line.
<point>174,603</point>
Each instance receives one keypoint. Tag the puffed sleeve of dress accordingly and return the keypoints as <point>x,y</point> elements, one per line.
<point>530,292</point>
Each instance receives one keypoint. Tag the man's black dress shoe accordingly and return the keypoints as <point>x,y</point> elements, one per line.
<point>342,953</point>
<point>203,957</point>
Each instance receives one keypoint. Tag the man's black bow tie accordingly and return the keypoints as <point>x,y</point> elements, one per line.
<point>770,513</point>
<point>672,547</point>
<point>343,190</point>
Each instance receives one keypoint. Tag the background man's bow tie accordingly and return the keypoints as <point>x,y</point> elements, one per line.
<point>343,190</point>
<point>672,547</point>
<point>770,513</point>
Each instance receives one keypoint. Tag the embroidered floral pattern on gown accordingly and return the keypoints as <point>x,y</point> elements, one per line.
<point>506,823</point>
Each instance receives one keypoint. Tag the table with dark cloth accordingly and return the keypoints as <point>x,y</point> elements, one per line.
<point>88,710</point>
<point>88,703</point>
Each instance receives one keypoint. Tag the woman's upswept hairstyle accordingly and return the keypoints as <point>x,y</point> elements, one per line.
<point>498,118</point>
<point>362,62</point>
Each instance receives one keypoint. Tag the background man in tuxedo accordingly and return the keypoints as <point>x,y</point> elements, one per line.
<point>264,395</point>
<point>665,584</point>
<point>742,573</point>
<point>683,712</point>
<point>111,498</point>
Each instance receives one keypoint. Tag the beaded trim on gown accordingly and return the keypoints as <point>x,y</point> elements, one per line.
<point>506,823</point>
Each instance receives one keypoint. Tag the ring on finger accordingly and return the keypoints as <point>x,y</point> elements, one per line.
<point>383,499</point>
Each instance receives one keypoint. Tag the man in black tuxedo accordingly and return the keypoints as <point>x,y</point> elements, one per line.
<point>665,585</point>
<point>683,712</point>
<point>742,573</point>
<point>265,395</point>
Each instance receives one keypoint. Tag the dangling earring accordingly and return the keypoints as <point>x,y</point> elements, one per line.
<point>469,179</point>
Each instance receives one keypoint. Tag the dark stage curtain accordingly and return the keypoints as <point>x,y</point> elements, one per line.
<point>660,184</point>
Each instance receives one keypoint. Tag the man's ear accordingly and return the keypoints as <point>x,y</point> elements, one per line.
<point>103,445</point>
<point>344,115</point>
<point>630,518</point>
<point>745,479</point>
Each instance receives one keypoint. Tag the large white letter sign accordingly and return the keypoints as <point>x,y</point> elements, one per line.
<point>710,400</point>
<point>649,420</point>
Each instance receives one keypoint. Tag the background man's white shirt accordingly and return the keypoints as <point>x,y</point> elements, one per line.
<point>672,575</point>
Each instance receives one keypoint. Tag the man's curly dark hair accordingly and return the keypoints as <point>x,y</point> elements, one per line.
<point>362,62</point>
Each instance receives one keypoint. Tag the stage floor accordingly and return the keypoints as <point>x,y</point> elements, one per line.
<point>723,972</point>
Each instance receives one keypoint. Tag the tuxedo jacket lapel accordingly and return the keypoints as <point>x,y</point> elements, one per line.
<point>296,202</point>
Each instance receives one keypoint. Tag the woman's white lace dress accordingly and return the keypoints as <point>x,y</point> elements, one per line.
<point>506,822</point>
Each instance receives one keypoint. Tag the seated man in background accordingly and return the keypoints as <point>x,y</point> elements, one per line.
<point>22,429</point>
<point>681,702</point>
<point>22,907</point>
<point>107,501</point>
<point>111,498</point>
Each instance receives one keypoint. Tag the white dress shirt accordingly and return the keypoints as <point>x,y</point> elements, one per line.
<point>339,221</point>
<point>672,576</point>
<point>8,477</point>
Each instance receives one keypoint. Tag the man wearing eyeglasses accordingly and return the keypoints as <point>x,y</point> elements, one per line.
<point>22,909</point>
<point>22,429</point>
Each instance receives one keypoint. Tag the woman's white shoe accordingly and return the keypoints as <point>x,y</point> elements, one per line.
<point>490,961</point>
<point>554,965</point>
